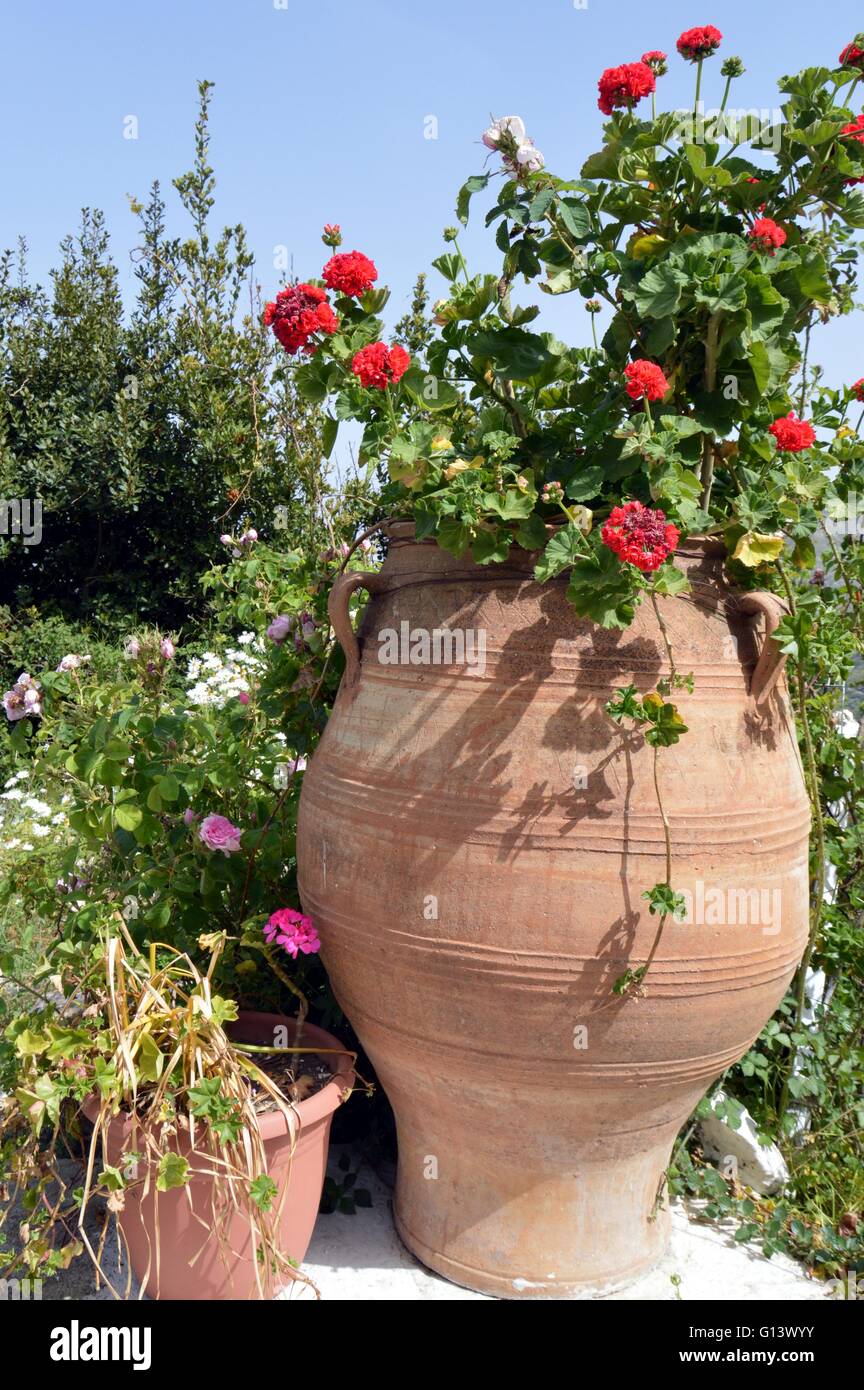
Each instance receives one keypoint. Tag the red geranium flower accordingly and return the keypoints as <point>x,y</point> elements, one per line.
<point>852,57</point>
<point>858,388</point>
<point>656,61</point>
<point>698,43</point>
<point>624,86</point>
<point>855,129</point>
<point>377,365</point>
<point>641,536</point>
<point>299,312</point>
<point>792,434</point>
<point>350,273</point>
<point>645,379</point>
<point>767,235</point>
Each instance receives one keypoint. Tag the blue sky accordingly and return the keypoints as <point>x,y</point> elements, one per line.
<point>321,109</point>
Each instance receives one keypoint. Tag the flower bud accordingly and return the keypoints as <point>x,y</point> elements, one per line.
<point>732,67</point>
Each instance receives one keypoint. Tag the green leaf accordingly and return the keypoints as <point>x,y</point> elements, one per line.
<point>658,293</point>
<point>169,787</point>
<point>454,536</point>
<point>564,549</point>
<point>723,293</point>
<point>540,204</point>
<point>512,505</point>
<point>30,1044</point>
<point>664,901</point>
<point>149,1060</point>
<point>713,175</point>
<point>263,1191</point>
<point>173,1171</point>
<point>515,353</point>
<point>429,390</point>
<point>531,533</point>
<point>817,133</point>
<point>475,184</point>
<point>128,815</point>
<point>329,431</point>
<point>602,590</point>
<point>576,217</point>
<point>308,381</point>
<point>108,774</point>
<point>491,546</point>
<point>586,484</point>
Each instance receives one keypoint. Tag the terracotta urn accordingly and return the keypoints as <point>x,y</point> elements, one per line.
<point>475,838</point>
<point>193,1266</point>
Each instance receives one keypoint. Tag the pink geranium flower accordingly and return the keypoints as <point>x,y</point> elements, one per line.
<point>293,932</point>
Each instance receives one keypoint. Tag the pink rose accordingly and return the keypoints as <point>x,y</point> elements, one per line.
<point>217,833</point>
<point>167,648</point>
<point>189,816</point>
<point>243,697</point>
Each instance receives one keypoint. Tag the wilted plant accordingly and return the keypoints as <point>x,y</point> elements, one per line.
<point>141,1036</point>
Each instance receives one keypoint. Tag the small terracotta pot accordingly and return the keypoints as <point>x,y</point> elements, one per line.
<point>181,1236</point>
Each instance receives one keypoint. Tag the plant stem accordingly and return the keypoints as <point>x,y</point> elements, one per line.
<point>667,834</point>
<point>661,622</point>
<point>706,476</point>
<point>698,89</point>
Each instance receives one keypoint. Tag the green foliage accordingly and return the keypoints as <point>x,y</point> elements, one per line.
<point>144,437</point>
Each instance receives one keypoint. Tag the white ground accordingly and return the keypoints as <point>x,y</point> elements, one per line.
<point>360,1258</point>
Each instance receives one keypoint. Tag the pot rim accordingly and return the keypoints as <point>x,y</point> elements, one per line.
<point>400,531</point>
<point>272,1123</point>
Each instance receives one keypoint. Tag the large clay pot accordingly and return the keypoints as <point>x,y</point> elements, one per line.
<point>185,1270</point>
<point>474,849</point>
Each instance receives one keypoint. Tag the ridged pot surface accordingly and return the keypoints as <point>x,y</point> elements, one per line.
<point>474,847</point>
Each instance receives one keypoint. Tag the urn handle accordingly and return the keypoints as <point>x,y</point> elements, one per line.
<point>772,660</point>
<point>340,618</point>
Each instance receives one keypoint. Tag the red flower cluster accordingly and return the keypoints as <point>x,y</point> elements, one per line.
<point>624,86</point>
<point>300,311</point>
<point>792,434</point>
<point>852,57</point>
<point>641,536</point>
<point>858,388</point>
<point>645,379</point>
<point>698,43</point>
<point>377,365</point>
<point>350,273</point>
<point>855,129</point>
<point>767,235</point>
